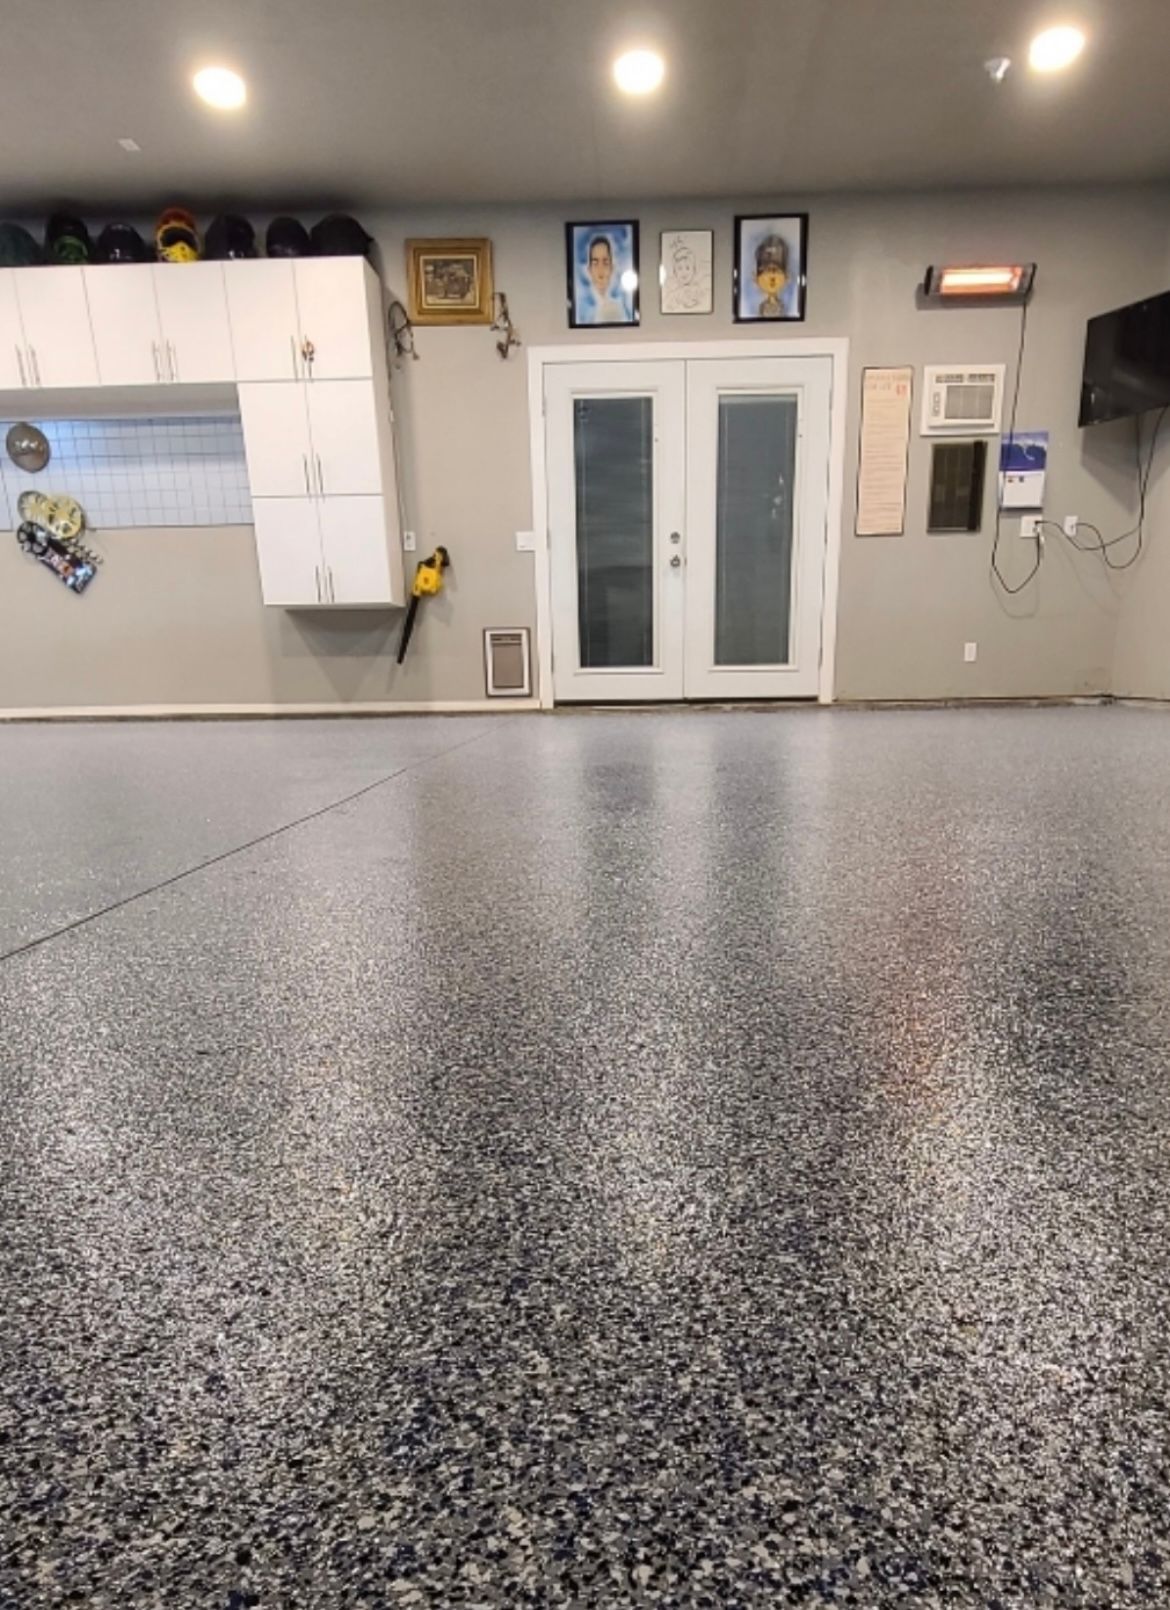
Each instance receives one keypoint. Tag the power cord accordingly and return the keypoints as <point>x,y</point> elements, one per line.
<point>1103,544</point>
<point>1011,437</point>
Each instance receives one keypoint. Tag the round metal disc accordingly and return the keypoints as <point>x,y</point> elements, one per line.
<point>66,518</point>
<point>28,447</point>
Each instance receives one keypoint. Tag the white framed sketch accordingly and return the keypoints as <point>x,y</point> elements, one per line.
<point>684,271</point>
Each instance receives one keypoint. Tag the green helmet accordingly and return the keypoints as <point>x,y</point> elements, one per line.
<point>18,249</point>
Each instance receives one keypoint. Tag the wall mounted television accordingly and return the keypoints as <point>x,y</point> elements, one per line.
<point>1127,361</point>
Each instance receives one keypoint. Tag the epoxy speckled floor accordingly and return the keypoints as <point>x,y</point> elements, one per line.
<point>684,1160</point>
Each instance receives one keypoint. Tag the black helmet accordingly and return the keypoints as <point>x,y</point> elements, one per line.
<point>287,237</point>
<point>339,236</point>
<point>121,243</point>
<point>229,235</point>
<point>18,249</point>
<point>67,240</point>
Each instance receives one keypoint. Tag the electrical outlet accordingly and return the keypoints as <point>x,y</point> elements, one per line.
<point>970,652</point>
<point>526,542</point>
<point>408,542</point>
<point>1030,526</point>
<point>1072,523</point>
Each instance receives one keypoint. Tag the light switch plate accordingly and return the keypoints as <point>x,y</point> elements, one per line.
<point>408,542</point>
<point>526,542</point>
<point>970,652</point>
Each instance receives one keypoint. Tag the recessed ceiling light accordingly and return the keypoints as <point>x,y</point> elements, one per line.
<point>639,72</point>
<point>1055,48</point>
<point>221,88</point>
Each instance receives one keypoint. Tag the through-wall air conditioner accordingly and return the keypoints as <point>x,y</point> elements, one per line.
<point>962,401</point>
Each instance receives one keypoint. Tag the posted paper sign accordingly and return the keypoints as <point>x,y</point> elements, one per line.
<point>885,443</point>
<point>1023,464</point>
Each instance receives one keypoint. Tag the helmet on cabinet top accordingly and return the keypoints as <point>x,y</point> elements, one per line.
<point>18,248</point>
<point>176,236</point>
<point>339,236</point>
<point>287,237</point>
<point>121,243</point>
<point>67,239</point>
<point>229,235</point>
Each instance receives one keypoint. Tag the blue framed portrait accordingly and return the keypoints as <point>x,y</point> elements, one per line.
<point>770,268</point>
<point>601,261</point>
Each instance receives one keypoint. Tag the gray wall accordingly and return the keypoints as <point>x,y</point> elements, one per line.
<point>176,617</point>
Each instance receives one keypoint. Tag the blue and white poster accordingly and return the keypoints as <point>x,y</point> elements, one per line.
<point>1023,463</point>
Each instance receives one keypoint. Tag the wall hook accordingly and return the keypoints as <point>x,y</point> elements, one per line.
<point>402,332</point>
<point>502,322</point>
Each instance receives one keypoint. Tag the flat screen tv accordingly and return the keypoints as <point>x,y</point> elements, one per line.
<point>1127,361</point>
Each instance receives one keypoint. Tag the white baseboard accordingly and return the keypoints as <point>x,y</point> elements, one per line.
<point>172,712</point>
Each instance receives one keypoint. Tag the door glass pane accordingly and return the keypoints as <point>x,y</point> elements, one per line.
<point>613,443</point>
<point>753,528</point>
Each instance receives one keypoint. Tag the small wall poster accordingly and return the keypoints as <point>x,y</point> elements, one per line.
<point>1023,465</point>
<point>885,444</point>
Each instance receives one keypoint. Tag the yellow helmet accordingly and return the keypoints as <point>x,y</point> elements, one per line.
<point>176,237</point>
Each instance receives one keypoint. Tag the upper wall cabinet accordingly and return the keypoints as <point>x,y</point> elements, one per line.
<point>160,323</point>
<point>45,329</point>
<point>125,324</point>
<point>310,318</point>
<point>193,320</point>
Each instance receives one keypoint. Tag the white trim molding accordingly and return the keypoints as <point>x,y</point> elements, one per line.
<point>178,712</point>
<point>835,348</point>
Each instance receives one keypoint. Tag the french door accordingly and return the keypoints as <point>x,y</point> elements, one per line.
<point>687,526</point>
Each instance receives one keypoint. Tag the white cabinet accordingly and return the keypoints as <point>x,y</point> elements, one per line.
<point>339,307</point>
<point>58,339</point>
<point>13,360</point>
<point>288,543</point>
<point>276,440</point>
<point>262,308</point>
<point>343,430</point>
<point>355,549</point>
<point>193,322</point>
<point>125,324</point>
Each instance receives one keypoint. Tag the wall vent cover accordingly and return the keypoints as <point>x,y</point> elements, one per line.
<point>962,399</point>
<point>507,663</point>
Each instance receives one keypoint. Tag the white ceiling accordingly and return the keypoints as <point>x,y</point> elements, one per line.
<point>376,102</point>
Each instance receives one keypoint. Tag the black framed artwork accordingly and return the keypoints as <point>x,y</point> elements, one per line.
<point>770,268</point>
<point>601,273</point>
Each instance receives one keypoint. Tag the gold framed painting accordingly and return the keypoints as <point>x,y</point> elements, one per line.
<point>450,281</point>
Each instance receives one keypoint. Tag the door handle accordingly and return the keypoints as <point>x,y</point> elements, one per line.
<point>676,561</point>
<point>36,367</point>
<point>332,591</point>
<point>305,467</point>
<point>317,574</point>
<point>320,474</point>
<point>20,361</point>
<point>308,353</point>
<point>157,362</point>
<point>174,361</point>
<point>292,346</point>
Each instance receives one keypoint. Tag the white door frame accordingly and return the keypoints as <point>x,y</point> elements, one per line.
<point>835,348</point>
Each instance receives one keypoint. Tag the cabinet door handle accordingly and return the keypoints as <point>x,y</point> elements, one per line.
<point>305,467</point>
<point>174,361</point>
<point>308,353</point>
<point>292,347</point>
<point>20,361</point>
<point>157,364</point>
<point>36,367</point>
<point>332,593</point>
<point>320,474</point>
<point>317,574</point>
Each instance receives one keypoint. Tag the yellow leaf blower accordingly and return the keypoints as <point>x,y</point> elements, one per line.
<point>428,580</point>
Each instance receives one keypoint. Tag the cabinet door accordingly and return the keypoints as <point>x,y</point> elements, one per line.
<point>57,333</point>
<point>125,324</point>
<point>14,363</point>
<point>333,301</point>
<point>262,310</point>
<point>192,310</point>
<point>288,545</point>
<point>356,549</point>
<point>276,439</point>
<point>343,425</point>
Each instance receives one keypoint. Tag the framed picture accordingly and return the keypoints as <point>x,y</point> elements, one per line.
<point>601,262</point>
<point>770,269</point>
<point>449,281</point>
<point>685,283</point>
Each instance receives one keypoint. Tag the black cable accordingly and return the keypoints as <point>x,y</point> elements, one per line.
<point>236,849</point>
<point>1011,437</point>
<point>1102,545</point>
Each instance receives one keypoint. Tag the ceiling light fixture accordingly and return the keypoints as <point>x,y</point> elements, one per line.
<point>1055,48</point>
<point>984,279</point>
<point>221,88</point>
<point>639,72</point>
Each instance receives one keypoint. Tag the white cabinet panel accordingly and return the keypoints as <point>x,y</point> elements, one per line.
<point>125,324</point>
<point>288,542</point>
<point>57,331</point>
<point>192,310</point>
<point>276,439</point>
<point>356,551</point>
<point>262,308</point>
<point>14,363</point>
<point>333,300</point>
<point>343,425</point>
